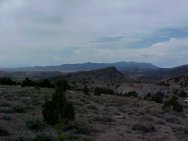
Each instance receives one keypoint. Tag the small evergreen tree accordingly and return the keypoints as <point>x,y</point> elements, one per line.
<point>68,111</point>
<point>177,107</point>
<point>97,91</point>
<point>46,83</point>
<point>58,109</point>
<point>27,82</point>
<point>7,81</point>
<point>158,97</point>
<point>50,115</point>
<point>182,94</point>
<point>173,104</point>
<point>86,90</point>
<point>147,96</point>
<point>131,93</point>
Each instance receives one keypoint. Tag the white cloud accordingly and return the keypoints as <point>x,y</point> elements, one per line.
<point>62,31</point>
<point>165,54</point>
<point>170,53</point>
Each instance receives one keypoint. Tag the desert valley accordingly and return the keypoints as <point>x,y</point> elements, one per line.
<point>124,101</point>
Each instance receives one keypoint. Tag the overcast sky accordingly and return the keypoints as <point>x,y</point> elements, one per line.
<point>52,32</point>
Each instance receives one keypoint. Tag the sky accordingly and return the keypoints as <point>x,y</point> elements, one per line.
<point>54,32</point>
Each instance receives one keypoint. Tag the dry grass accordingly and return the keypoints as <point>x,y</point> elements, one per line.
<point>104,118</point>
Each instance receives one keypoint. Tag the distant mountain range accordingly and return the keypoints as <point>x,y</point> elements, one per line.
<point>120,70</point>
<point>121,66</point>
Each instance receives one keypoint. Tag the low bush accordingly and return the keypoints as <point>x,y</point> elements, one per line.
<point>77,127</point>
<point>131,94</point>
<point>92,107</point>
<point>19,109</point>
<point>18,139</point>
<point>6,117</point>
<point>7,81</point>
<point>103,119</point>
<point>42,83</point>
<point>182,94</point>
<point>61,137</point>
<point>100,90</point>
<point>45,84</point>
<point>158,97</point>
<point>147,96</point>
<point>4,132</point>
<point>181,132</point>
<point>97,91</point>
<point>27,82</point>
<point>163,83</point>
<point>43,137</point>
<point>177,107</point>
<point>7,110</point>
<point>172,119</point>
<point>143,127</point>
<point>172,104</point>
<point>33,123</point>
<point>85,90</point>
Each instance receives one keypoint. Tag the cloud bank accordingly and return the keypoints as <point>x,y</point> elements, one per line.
<point>54,32</point>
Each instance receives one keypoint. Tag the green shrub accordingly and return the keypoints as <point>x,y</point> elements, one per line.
<point>131,94</point>
<point>98,91</point>
<point>172,119</point>
<point>166,106</point>
<point>177,107</point>
<point>7,81</point>
<point>46,84</point>
<point>181,132</point>
<point>92,107</point>
<point>182,94</point>
<point>143,128</point>
<point>49,113</point>
<point>158,97</point>
<point>61,137</point>
<point>62,84</point>
<point>173,104</point>
<point>33,123</point>
<point>163,83</point>
<point>147,96</point>
<point>7,110</point>
<point>6,117</point>
<point>103,119</point>
<point>43,137</point>
<point>19,109</point>
<point>4,132</point>
<point>27,82</point>
<point>77,128</point>
<point>18,139</point>
<point>68,111</point>
<point>58,109</point>
<point>86,90</point>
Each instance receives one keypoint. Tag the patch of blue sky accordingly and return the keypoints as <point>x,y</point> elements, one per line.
<point>160,36</point>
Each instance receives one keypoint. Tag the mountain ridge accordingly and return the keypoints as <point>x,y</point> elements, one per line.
<point>87,67</point>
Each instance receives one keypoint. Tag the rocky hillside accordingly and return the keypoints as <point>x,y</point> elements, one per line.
<point>105,74</point>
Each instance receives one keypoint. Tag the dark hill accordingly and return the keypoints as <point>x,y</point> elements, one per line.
<point>105,74</point>
<point>158,74</point>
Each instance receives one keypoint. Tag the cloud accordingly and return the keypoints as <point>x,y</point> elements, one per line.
<point>68,31</point>
<point>169,53</point>
<point>109,39</point>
